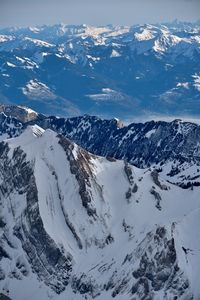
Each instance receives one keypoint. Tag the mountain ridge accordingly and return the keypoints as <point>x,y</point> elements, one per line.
<point>77,225</point>
<point>131,71</point>
<point>171,147</point>
<point>91,208</point>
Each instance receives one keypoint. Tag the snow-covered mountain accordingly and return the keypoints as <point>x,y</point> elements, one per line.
<point>109,71</point>
<point>78,226</point>
<point>172,147</point>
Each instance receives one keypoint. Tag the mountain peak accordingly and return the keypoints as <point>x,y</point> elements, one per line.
<point>22,113</point>
<point>35,130</point>
<point>101,225</point>
<point>115,67</point>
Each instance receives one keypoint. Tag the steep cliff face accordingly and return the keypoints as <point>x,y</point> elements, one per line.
<point>21,211</point>
<point>140,143</point>
<point>173,147</point>
<point>80,226</point>
<point>22,113</point>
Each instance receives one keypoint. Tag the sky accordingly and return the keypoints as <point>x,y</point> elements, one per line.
<point>96,12</point>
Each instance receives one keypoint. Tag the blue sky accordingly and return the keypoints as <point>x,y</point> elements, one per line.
<point>96,12</point>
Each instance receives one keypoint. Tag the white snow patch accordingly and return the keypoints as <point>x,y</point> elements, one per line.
<point>115,53</point>
<point>185,85</point>
<point>107,95</point>
<point>6,38</point>
<point>38,90</point>
<point>10,64</point>
<point>39,42</point>
<point>149,133</point>
<point>93,58</point>
<point>34,29</point>
<point>145,35</point>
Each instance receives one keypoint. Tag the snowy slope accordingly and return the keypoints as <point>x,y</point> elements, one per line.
<point>172,147</point>
<point>78,226</point>
<point>129,71</point>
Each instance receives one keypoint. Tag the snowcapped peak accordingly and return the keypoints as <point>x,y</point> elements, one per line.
<point>36,130</point>
<point>22,113</point>
<point>28,110</point>
<point>146,34</point>
<point>34,29</point>
<point>95,31</point>
<point>27,140</point>
<point>119,123</point>
<point>164,30</point>
<point>34,140</point>
<point>115,53</point>
<point>6,38</point>
<point>32,131</point>
<point>102,219</point>
<point>38,42</point>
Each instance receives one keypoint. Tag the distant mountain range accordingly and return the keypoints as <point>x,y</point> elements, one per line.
<point>107,71</point>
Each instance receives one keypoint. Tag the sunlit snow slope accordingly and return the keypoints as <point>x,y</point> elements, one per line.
<point>78,226</point>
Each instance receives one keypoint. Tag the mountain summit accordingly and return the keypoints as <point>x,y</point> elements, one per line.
<point>81,226</point>
<point>170,147</point>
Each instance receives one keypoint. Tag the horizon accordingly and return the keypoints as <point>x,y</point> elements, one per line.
<point>95,12</point>
<point>139,100</point>
<point>175,21</point>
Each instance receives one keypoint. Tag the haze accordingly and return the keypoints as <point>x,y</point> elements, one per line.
<point>95,12</point>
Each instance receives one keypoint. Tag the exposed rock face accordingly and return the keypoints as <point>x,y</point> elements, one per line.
<point>174,144</point>
<point>150,272</point>
<point>81,169</point>
<point>51,265</point>
<point>157,269</point>
<point>171,147</point>
<point>76,225</point>
<point>136,143</point>
<point>45,258</point>
<point>22,113</point>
